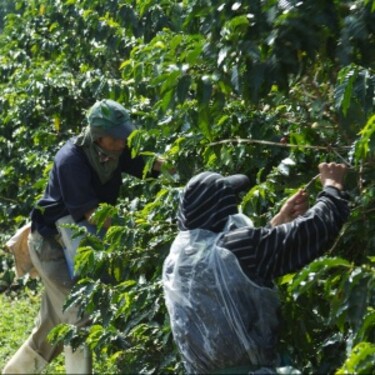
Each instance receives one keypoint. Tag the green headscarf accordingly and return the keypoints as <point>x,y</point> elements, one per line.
<point>103,162</point>
<point>105,118</point>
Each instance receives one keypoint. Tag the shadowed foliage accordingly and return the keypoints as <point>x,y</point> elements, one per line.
<point>266,88</point>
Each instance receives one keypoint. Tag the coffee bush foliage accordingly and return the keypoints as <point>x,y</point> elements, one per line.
<point>269,88</point>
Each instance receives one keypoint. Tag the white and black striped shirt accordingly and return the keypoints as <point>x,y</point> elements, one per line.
<point>267,252</point>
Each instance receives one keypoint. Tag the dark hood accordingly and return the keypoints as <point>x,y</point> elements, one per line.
<point>206,203</point>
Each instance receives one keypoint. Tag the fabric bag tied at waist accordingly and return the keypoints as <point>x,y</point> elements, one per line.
<point>18,246</point>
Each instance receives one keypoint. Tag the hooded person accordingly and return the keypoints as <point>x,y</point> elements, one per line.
<point>218,277</point>
<point>87,171</point>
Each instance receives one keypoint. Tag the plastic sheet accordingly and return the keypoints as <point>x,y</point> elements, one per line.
<point>219,317</point>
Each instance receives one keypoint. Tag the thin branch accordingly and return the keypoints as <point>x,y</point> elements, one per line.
<point>306,187</point>
<point>277,144</point>
<point>8,199</point>
<point>341,234</point>
<point>369,211</point>
<point>342,158</point>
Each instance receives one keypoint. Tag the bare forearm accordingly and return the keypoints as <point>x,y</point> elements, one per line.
<point>295,206</point>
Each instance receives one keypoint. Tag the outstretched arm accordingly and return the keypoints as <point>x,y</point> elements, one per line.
<point>267,253</point>
<point>295,206</point>
<point>330,175</point>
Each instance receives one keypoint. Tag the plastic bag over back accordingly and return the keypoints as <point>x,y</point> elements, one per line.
<point>219,317</point>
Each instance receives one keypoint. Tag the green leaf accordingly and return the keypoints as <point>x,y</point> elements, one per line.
<point>360,361</point>
<point>365,145</point>
<point>204,122</point>
<point>285,166</point>
<point>183,87</point>
<point>344,90</point>
<point>305,280</point>
<point>238,21</point>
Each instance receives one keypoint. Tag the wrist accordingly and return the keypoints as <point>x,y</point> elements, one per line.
<point>333,183</point>
<point>278,219</point>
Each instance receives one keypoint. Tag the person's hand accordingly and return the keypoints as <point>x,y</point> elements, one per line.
<point>296,205</point>
<point>89,216</point>
<point>332,174</point>
<point>158,165</point>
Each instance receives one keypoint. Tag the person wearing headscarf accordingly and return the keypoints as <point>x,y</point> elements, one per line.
<point>87,171</point>
<point>218,278</point>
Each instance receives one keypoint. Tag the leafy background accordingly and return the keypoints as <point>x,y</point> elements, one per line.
<point>267,88</point>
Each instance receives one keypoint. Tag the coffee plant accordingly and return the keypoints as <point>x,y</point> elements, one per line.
<point>268,88</point>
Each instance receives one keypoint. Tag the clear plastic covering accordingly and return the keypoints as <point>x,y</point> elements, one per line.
<point>219,317</point>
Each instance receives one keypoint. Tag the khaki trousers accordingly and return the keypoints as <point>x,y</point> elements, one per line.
<point>48,259</point>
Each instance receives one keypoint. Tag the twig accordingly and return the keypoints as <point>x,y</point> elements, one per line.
<point>341,234</point>
<point>277,144</point>
<point>342,159</point>
<point>311,182</point>
<point>8,199</point>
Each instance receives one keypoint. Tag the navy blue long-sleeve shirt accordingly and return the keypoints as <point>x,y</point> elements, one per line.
<point>74,187</point>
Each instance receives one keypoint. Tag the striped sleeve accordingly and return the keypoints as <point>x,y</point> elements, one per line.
<point>265,253</point>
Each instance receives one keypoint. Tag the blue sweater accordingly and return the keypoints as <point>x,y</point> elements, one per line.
<point>74,187</point>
